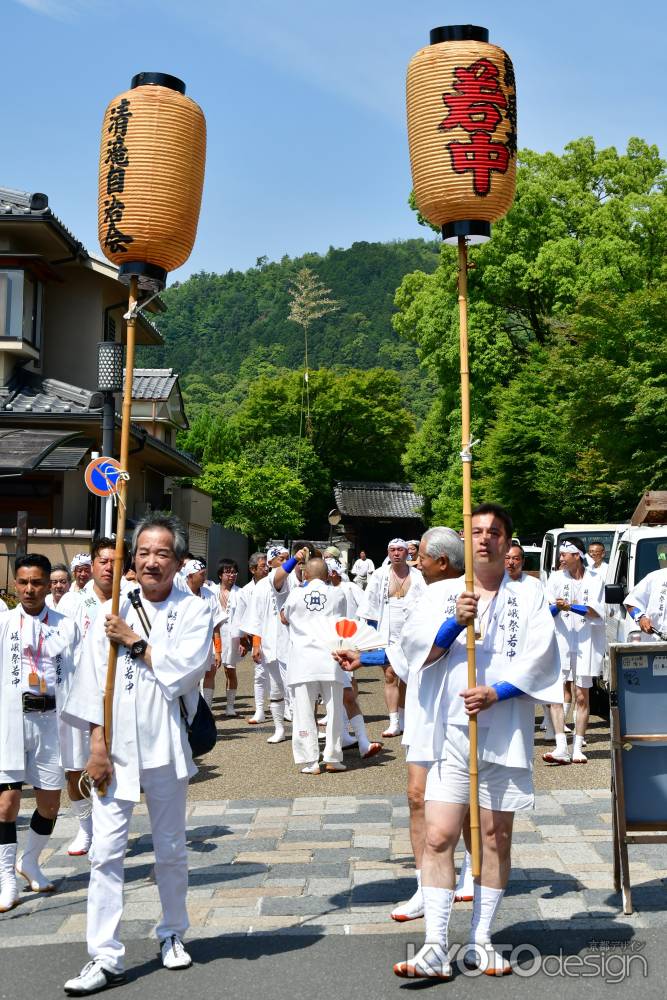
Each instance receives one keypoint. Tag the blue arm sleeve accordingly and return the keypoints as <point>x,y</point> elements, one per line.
<point>554,609</point>
<point>579,609</point>
<point>506,690</point>
<point>447,632</point>
<point>373,658</point>
<point>289,564</point>
<point>636,614</point>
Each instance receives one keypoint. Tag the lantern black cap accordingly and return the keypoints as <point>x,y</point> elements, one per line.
<point>150,277</point>
<point>474,230</point>
<point>459,33</point>
<point>158,80</point>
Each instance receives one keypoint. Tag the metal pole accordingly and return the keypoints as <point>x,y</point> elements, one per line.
<point>466,458</point>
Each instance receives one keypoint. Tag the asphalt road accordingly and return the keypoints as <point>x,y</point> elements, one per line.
<point>300,967</point>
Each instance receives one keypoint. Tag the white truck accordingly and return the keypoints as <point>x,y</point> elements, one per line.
<point>638,551</point>
<point>588,533</point>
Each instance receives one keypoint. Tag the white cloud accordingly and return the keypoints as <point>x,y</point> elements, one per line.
<point>60,10</point>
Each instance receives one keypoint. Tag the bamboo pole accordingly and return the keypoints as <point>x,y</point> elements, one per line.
<point>119,554</point>
<point>466,458</point>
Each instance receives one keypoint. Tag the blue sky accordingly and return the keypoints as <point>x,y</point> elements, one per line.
<point>304,102</point>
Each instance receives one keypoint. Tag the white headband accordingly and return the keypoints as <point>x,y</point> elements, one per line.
<point>398,543</point>
<point>571,549</point>
<point>334,566</point>
<point>193,566</point>
<point>80,559</point>
<point>275,551</point>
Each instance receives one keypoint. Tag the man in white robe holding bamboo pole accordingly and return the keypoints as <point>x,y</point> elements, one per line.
<point>163,653</point>
<point>517,666</point>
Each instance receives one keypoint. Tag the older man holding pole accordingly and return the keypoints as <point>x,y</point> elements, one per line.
<point>517,665</point>
<point>163,642</point>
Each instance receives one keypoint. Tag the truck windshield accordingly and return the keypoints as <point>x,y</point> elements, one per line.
<point>651,555</point>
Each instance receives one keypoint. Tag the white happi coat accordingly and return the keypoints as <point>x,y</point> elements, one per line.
<point>243,599</point>
<point>650,596</point>
<point>147,725</point>
<point>579,635</point>
<point>225,616</point>
<point>390,613</point>
<point>519,646</point>
<point>354,597</point>
<point>308,659</point>
<point>61,643</point>
<point>262,617</point>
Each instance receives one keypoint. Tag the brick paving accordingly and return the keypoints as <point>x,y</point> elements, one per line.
<point>337,865</point>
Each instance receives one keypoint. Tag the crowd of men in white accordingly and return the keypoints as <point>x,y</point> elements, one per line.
<point>174,631</point>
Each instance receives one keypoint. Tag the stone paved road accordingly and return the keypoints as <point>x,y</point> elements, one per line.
<point>335,866</point>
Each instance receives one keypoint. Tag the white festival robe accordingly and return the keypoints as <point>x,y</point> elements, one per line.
<point>308,659</point>
<point>650,596</point>
<point>390,613</point>
<point>519,646</point>
<point>243,599</point>
<point>262,618</point>
<point>354,597</point>
<point>147,726</point>
<point>579,635</point>
<point>61,644</point>
<point>224,617</point>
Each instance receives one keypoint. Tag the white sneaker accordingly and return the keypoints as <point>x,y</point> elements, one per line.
<point>174,955</point>
<point>411,909</point>
<point>93,978</point>
<point>81,844</point>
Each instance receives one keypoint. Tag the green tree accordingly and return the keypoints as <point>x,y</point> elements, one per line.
<point>257,500</point>
<point>571,280</point>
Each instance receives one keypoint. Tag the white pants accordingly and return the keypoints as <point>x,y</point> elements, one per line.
<point>165,798</point>
<point>286,688</point>
<point>41,744</point>
<point>268,674</point>
<point>305,746</point>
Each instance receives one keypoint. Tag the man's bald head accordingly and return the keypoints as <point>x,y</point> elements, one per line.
<point>316,569</point>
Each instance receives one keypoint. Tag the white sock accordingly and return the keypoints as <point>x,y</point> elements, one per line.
<point>484,908</point>
<point>231,698</point>
<point>207,694</point>
<point>359,729</point>
<point>346,740</point>
<point>259,698</point>
<point>83,810</point>
<point>418,875</point>
<point>437,908</point>
<point>465,875</point>
<point>277,709</point>
<point>401,718</point>
<point>578,744</point>
<point>561,743</point>
<point>393,720</point>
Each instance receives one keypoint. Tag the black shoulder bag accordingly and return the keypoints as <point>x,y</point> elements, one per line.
<point>202,733</point>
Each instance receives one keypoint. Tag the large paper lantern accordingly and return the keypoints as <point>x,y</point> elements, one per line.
<point>461,105</point>
<point>151,177</point>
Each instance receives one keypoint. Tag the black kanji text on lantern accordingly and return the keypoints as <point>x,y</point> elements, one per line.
<point>118,160</point>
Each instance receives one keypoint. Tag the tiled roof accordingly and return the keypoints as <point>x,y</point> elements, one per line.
<point>23,449</point>
<point>29,393</point>
<point>22,204</point>
<point>153,383</point>
<point>361,499</point>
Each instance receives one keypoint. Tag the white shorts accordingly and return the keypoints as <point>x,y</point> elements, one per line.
<point>501,789</point>
<point>42,753</point>
<point>580,680</point>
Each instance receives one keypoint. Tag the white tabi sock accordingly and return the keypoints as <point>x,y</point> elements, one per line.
<point>393,720</point>
<point>277,709</point>
<point>83,809</point>
<point>346,740</point>
<point>359,729</point>
<point>465,884</point>
<point>484,908</point>
<point>8,890</point>
<point>401,719</point>
<point>437,910</point>
<point>207,694</point>
<point>231,698</point>
<point>28,863</point>
<point>561,743</point>
<point>259,698</point>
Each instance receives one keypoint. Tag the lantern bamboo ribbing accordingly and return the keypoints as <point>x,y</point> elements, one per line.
<point>151,176</point>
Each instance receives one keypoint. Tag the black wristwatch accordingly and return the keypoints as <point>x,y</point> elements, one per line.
<point>138,648</point>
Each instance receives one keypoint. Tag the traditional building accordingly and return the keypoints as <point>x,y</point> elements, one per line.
<point>374,513</point>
